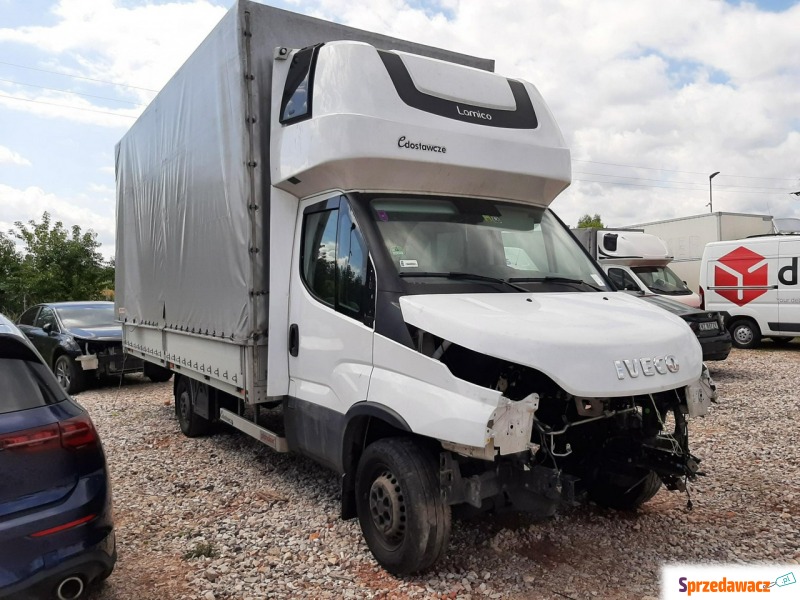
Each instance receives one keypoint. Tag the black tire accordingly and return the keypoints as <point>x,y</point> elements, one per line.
<point>405,522</point>
<point>624,492</point>
<point>69,374</point>
<point>156,374</point>
<point>781,340</point>
<point>745,333</point>
<point>191,424</point>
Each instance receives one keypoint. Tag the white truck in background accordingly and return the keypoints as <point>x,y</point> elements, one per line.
<point>687,236</point>
<point>348,236</point>
<point>636,261</point>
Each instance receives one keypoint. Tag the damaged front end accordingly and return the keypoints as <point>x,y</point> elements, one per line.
<point>106,358</point>
<point>545,447</point>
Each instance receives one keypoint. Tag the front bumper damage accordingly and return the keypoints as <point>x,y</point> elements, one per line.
<point>532,463</point>
<point>108,359</point>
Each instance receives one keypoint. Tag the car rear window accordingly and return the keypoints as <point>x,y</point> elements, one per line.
<point>24,381</point>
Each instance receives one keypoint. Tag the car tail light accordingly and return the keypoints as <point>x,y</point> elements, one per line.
<point>702,298</point>
<point>73,434</point>
<point>38,438</point>
<point>78,433</point>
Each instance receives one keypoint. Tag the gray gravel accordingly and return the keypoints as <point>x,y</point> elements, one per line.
<point>224,517</point>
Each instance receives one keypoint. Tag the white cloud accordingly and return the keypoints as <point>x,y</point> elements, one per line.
<point>30,203</point>
<point>687,85</point>
<point>98,188</point>
<point>58,105</point>
<point>693,86</point>
<point>138,46</point>
<point>8,156</point>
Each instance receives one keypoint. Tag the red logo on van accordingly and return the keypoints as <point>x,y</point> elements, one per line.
<point>741,268</point>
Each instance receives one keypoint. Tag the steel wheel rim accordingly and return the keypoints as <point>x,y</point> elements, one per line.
<point>743,334</point>
<point>387,508</point>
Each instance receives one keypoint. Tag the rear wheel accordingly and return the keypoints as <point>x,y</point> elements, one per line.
<point>155,373</point>
<point>745,333</point>
<point>405,522</point>
<point>69,374</point>
<point>192,424</point>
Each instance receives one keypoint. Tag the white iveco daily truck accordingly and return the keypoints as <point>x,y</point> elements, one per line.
<point>349,235</point>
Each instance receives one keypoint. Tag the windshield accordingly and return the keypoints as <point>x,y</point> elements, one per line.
<point>459,238</point>
<point>87,316</point>
<point>662,280</point>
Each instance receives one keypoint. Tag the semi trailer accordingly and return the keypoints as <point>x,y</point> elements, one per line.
<point>340,244</point>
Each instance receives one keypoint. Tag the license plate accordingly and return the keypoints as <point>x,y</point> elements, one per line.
<point>713,325</point>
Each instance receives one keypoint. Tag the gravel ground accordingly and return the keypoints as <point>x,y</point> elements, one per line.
<point>224,517</point>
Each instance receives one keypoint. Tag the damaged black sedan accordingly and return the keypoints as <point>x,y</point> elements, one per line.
<point>80,341</point>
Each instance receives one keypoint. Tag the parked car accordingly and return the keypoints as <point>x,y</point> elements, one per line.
<point>708,326</point>
<point>79,340</point>
<point>56,529</point>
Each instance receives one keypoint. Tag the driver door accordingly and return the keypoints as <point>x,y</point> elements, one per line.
<point>331,314</point>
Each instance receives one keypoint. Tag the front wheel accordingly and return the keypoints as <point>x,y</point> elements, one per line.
<point>69,374</point>
<point>405,521</point>
<point>624,491</point>
<point>192,424</point>
<point>745,334</point>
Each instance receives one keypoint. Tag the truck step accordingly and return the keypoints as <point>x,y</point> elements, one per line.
<point>265,436</point>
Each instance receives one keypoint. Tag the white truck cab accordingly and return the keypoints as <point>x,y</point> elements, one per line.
<point>636,262</point>
<point>360,249</point>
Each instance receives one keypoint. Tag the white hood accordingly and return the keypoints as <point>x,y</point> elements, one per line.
<point>580,340</point>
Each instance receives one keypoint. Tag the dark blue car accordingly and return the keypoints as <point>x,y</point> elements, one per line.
<point>56,529</point>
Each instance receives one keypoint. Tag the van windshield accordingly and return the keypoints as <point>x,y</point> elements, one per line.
<point>461,238</point>
<point>662,280</point>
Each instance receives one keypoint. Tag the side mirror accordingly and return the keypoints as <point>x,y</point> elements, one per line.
<point>47,328</point>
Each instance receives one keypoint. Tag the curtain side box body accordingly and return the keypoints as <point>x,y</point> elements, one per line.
<point>193,197</point>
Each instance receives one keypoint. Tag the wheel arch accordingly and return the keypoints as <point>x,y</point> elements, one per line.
<point>54,357</point>
<point>365,423</point>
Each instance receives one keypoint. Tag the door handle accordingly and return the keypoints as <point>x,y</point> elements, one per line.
<point>294,339</point>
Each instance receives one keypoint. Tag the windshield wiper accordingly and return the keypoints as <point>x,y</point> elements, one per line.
<point>553,279</point>
<point>459,275</point>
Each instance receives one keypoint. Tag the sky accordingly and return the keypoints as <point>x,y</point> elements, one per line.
<point>652,96</point>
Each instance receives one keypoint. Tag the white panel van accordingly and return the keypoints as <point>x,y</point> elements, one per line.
<point>756,281</point>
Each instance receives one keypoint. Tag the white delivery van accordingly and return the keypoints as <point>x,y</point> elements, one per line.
<point>340,244</point>
<point>756,281</point>
<point>636,262</point>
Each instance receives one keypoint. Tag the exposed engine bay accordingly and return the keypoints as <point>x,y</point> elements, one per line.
<point>617,451</point>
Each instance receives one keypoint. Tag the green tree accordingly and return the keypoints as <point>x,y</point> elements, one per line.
<point>54,264</point>
<point>10,265</point>
<point>588,220</point>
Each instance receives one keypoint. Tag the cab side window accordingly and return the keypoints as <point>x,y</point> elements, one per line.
<point>351,263</point>
<point>623,280</point>
<point>334,259</point>
<point>319,254</point>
